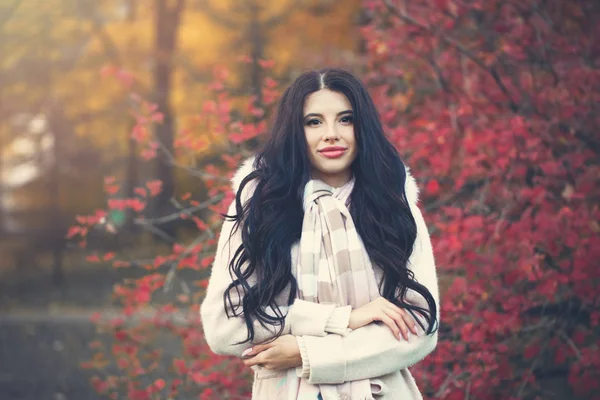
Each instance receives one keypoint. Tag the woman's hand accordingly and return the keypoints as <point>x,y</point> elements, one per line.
<point>280,354</point>
<point>397,319</point>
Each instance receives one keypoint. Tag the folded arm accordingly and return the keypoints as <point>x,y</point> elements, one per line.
<point>222,333</point>
<point>373,350</point>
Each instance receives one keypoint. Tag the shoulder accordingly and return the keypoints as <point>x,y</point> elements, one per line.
<point>243,170</point>
<point>411,188</point>
<point>247,166</point>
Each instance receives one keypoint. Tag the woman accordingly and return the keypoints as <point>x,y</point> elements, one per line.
<point>324,279</point>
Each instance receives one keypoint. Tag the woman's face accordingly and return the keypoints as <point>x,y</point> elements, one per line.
<point>329,130</point>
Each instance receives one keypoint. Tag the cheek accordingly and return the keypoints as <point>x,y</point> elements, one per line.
<point>349,136</point>
<point>351,141</point>
<point>312,139</point>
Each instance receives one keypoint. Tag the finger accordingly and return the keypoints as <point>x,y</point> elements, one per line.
<point>252,361</point>
<point>410,322</point>
<point>407,318</point>
<point>391,323</point>
<point>399,321</point>
<point>256,349</point>
<point>250,352</point>
<point>398,317</point>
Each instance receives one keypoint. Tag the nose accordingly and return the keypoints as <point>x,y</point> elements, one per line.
<point>331,135</point>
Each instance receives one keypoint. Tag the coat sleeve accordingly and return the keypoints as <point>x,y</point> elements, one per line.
<point>223,334</point>
<point>373,350</point>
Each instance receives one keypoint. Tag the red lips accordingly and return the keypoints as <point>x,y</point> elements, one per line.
<point>332,148</point>
<point>333,151</point>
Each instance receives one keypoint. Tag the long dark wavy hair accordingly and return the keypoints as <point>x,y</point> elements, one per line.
<point>271,219</point>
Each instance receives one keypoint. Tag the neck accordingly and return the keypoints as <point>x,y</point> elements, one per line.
<point>333,180</point>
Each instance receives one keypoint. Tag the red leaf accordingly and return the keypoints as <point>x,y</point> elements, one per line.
<point>121,264</point>
<point>180,366</point>
<point>207,261</point>
<point>198,377</point>
<point>270,83</point>
<point>111,189</point>
<point>117,204</point>
<point>531,351</point>
<point>433,187</point>
<point>560,356</point>
<point>155,187</point>
<point>157,117</point>
<point>95,317</point>
<point>135,204</point>
<point>142,296</point>
<point>99,385</point>
<point>203,283</point>
<point>209,107</point>
<point>200,224</point>
<point>73,230</point>
<point>266,64</point>
<point>148,154</point>
<point>93,258</point>
<point>159,384</point>
<point>160,260</point>
<point>138,394</point>
<point>579,337</point>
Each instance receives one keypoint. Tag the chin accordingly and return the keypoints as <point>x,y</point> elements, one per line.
<point>331,166</point>
<point>333,169</point>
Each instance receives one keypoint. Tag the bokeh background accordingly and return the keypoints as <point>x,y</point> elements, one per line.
<point>122,120</point>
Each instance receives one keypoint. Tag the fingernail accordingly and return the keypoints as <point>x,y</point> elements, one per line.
<point>408,335</point>
<point>246,352</point>
<point>400,336</point>
<point>417,331</point>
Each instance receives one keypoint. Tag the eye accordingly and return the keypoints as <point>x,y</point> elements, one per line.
<point>347,119</point>
<point>312,122</point>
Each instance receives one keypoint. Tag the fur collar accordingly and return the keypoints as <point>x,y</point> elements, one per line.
<point>246,167</point>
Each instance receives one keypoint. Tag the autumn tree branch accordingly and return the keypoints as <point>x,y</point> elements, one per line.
<point>283,15</point>
<point>491,70</point>
<point>517,108</point>
<point>206,7</point>
<point>111,49</point>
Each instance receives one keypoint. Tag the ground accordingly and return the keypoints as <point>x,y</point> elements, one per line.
<point>45,331</point>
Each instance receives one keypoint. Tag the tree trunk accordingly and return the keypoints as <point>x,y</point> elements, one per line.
<point>131,168</point>
<point>167,21</point>
<point>131,178</point>
<point>257,52</point>
<point>56,237</point>
<point>1,164</point>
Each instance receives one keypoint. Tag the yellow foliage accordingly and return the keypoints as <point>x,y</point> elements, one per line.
<point>54,52</point>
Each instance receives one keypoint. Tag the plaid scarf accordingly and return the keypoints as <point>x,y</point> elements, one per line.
<point>333,267</point>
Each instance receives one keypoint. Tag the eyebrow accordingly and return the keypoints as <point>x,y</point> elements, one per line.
<point>321,115</point>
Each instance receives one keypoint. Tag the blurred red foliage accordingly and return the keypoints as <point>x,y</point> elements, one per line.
<point>495,107</point>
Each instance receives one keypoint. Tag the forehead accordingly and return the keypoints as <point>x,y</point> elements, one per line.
<point>325,102</point>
